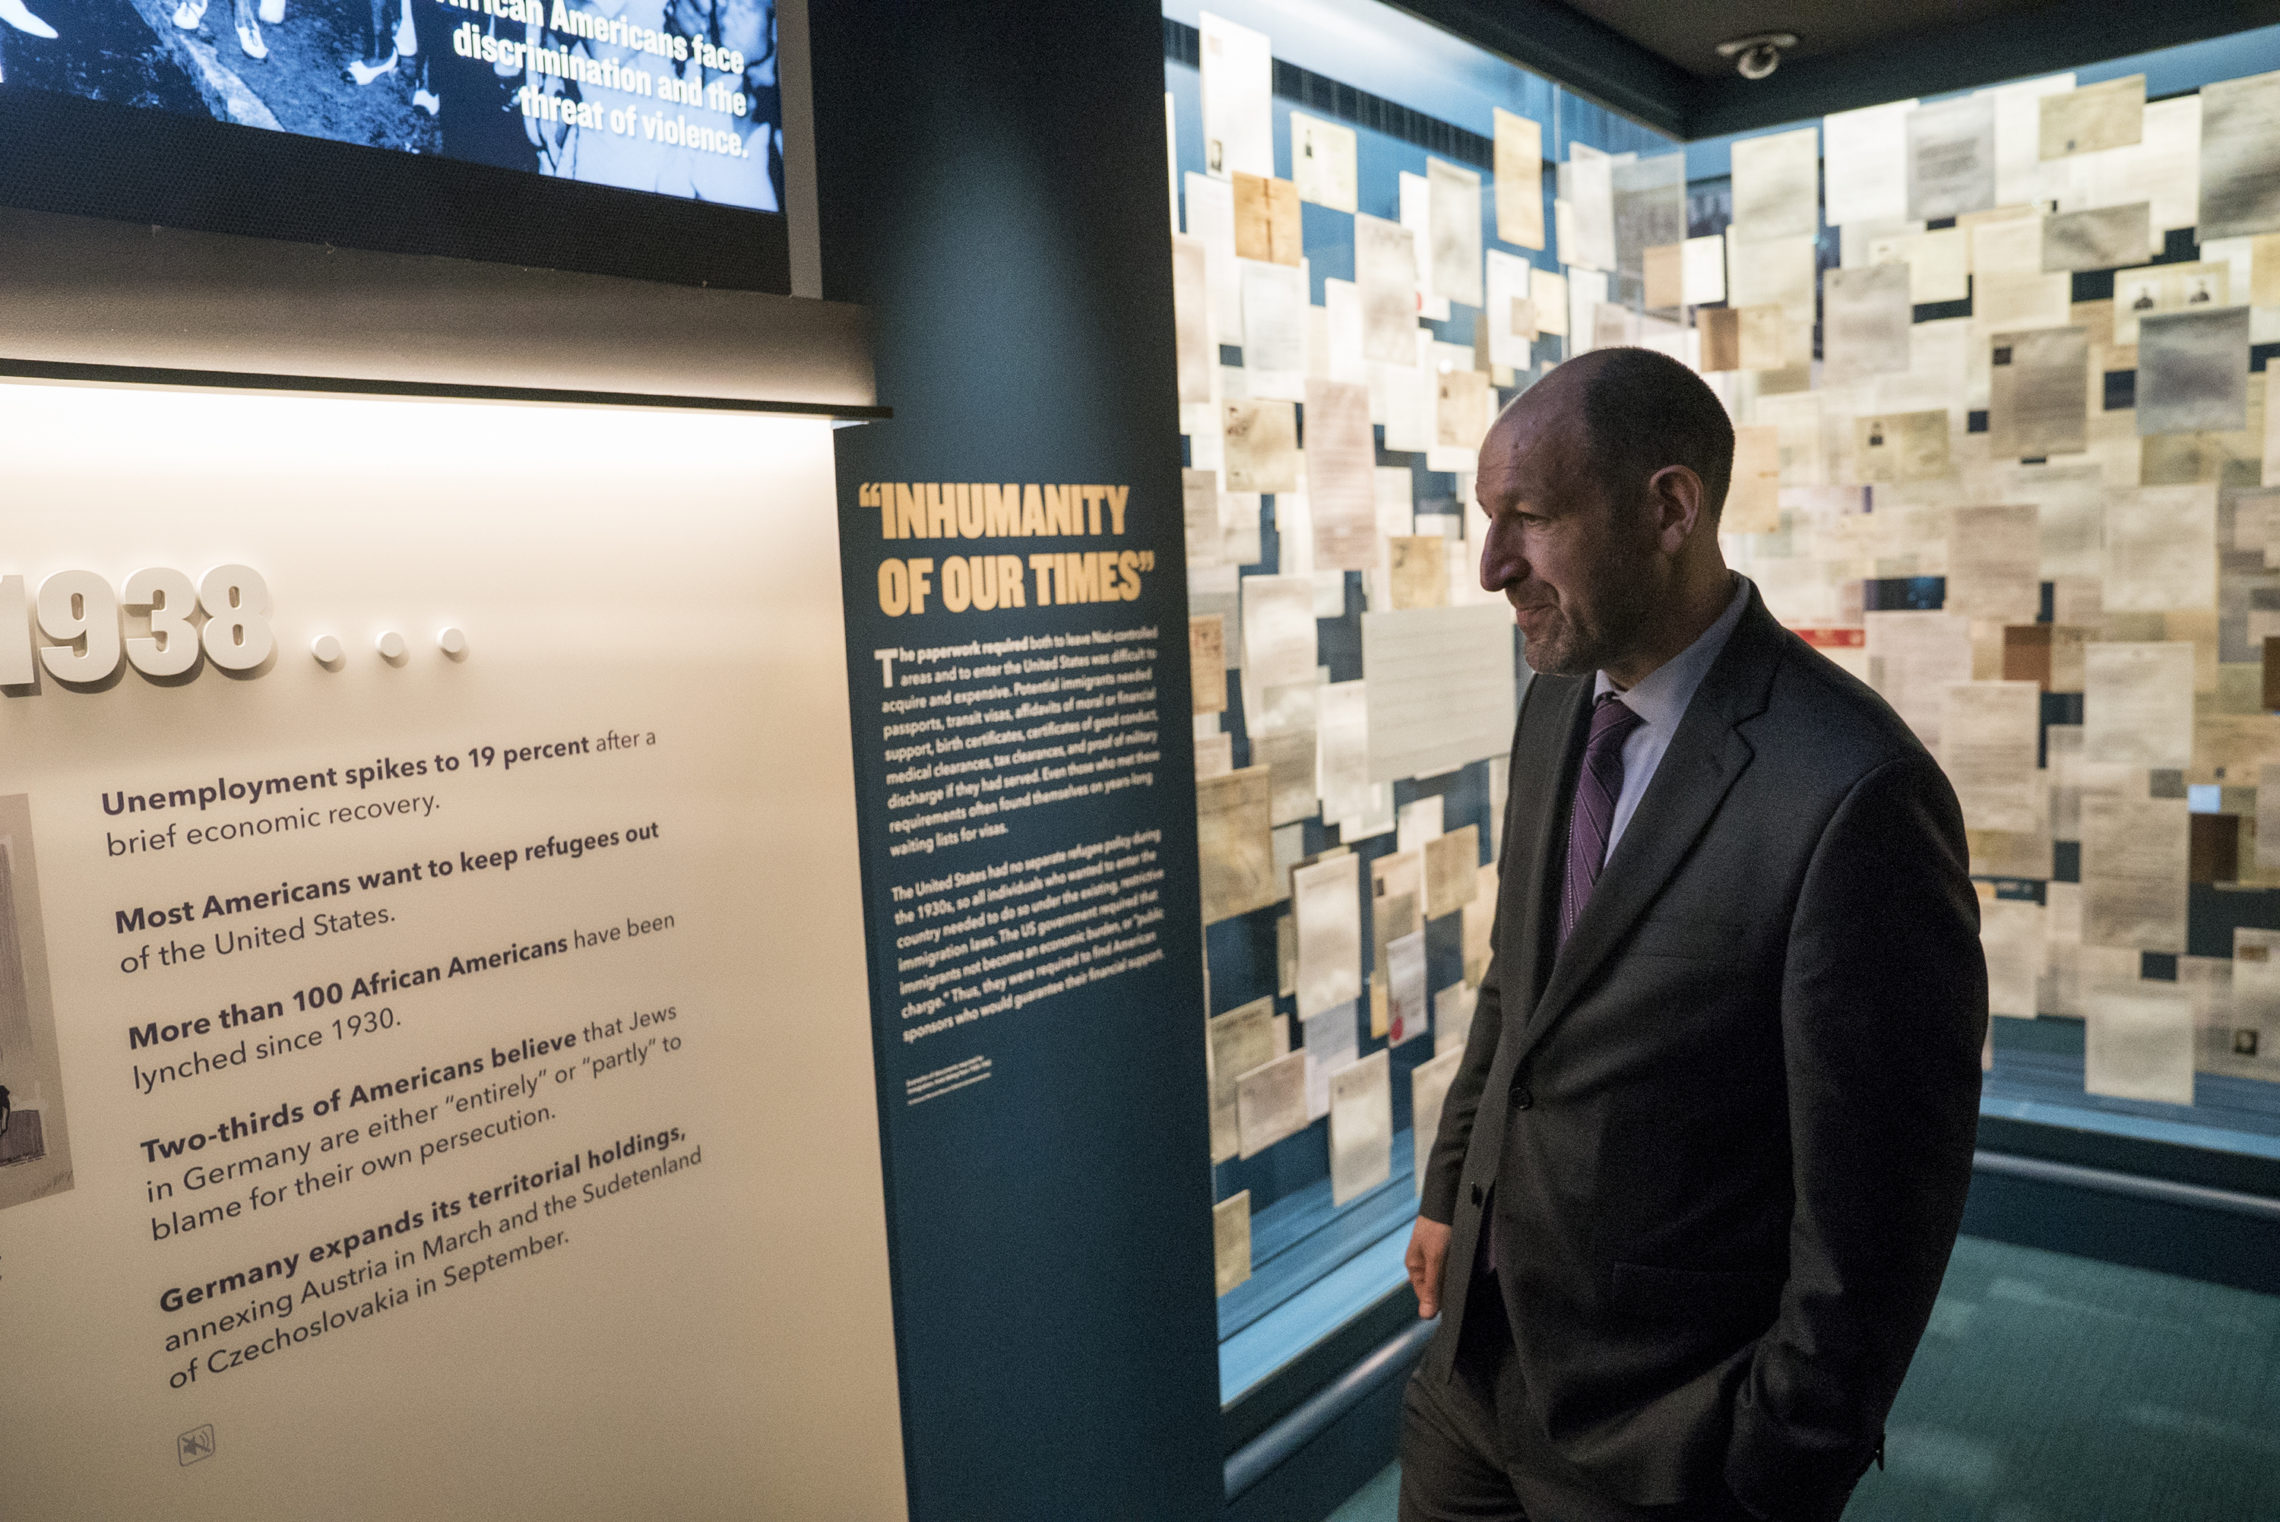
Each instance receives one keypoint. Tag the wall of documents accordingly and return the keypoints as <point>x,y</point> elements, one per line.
<point>1997,366</point>
<point>1355,298</point>
<point>2019,484</point>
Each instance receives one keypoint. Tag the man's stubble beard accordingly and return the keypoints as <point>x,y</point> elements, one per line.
<point>1622,603</point>
<point>1555,658</point>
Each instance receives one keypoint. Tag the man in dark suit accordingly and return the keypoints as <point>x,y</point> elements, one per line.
<point>1703,1161</point>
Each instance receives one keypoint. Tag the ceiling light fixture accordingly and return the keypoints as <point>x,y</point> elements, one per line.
<point>1758,56</point>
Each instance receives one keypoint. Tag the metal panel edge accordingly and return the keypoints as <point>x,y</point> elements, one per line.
<point>86,292</point>
<point>799,147</point>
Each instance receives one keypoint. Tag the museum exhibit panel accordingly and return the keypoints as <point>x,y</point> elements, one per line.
<point>1017,681</point>
<point>1996,361</point>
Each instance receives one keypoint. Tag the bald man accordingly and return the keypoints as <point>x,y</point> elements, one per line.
<point>1705,1155</point>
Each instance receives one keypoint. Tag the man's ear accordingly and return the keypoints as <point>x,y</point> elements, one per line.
<point>1678,498</point>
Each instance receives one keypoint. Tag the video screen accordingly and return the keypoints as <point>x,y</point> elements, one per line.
<point>674,97</point>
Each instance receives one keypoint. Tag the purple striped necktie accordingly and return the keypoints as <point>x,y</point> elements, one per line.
<point>1592,816</point>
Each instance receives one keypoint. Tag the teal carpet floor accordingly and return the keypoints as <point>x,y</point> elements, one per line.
<point>2056,1389</point>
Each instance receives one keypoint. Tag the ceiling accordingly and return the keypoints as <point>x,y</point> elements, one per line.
<point>1657,61</point>
<point>1687,34</point>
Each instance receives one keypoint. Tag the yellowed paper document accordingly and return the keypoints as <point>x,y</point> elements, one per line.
<point>1262,445</point>
<point>2240,157</point>
<point>2161,548</point>
<point>1385,269</point>
<point>1994,557</point>
<point>1902,447</point>
<point>1456,233</point>
<point>1276,340</point>
<point>1326,902</point>
<point>2011,936</point>
<point>1270,1104</point>
<point>1240,1041</point>
<point>1235,845</point>
<point>1194,340</point>
<point>2137,705</point>
<point>1428,1092</point>
<point>2134,858</point>
<point>2039,393</point>
<point>1865,158</point>
<point>1341,476</point>
<point>1361,1127</point>
<point>1777,183</point>
<point>2101,238</point>
<point>1231,1240</point>
<point>1988,738</point>
<point>1322,161</point>
<point>1951,158</point>
<point>1913,658</point>
<point>1865,318</point>
<point>1237,68</point>
<point>1452,861</point>
<point>1266,220</point>
<point>1420,569</point>
<point>2192,371</point>
<point>1207,659</point>
<point>2094,117</point>
<point>1753,498</point>
<point>2139,1044</point>
<point>1442,687</point>
<point>1519,180</point>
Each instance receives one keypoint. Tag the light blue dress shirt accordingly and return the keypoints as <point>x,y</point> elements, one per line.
<point>1660,701</point>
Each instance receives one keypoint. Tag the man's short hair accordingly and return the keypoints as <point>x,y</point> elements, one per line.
<point>1643,410</point>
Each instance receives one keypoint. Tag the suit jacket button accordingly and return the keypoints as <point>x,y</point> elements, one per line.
<point>1476,1194</point>
<point>1522,1099</point>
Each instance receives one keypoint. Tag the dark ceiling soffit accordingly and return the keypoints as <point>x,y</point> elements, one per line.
<point>1574,51</point>
<point>2041,41</point>
<point>1600,64</point>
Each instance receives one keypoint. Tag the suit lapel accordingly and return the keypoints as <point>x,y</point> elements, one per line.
<point>1705,756</point>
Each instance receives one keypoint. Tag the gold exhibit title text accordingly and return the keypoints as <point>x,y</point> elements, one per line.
<point>979,510</point>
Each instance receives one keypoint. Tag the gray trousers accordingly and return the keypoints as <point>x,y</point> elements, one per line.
<point>1471,1450</point>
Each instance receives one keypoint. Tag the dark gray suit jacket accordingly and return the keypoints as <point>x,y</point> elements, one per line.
<point>1727,1130</point>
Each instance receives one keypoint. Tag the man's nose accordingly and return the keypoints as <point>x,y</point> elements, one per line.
<point>1501,563</point>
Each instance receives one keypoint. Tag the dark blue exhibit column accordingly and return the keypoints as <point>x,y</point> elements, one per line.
<point>992,186</point>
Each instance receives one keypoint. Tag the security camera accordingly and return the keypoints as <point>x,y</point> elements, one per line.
<point>1758,56</point>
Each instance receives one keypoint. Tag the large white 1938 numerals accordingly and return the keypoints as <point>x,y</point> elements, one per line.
<point>79,612</point>
<point>78,608</point>
<point>171,647</point>
<point>236,601</point>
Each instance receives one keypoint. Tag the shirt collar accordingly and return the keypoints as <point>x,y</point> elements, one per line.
<point>1661,696</point>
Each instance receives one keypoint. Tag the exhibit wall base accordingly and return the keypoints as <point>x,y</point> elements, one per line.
<point>2217,1237</point>
<point>1306,1465</point>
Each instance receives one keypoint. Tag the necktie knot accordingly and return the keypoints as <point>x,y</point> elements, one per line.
<point>1612,721</point>
<point>1592,814</point>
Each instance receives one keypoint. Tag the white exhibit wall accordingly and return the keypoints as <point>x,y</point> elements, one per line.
<point>704,1329</point>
